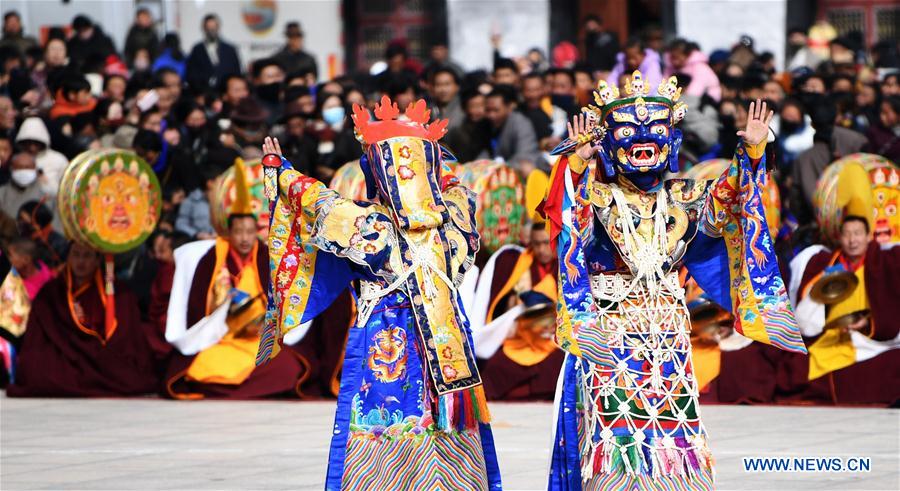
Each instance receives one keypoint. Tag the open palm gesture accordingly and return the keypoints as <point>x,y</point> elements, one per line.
<point>271,145</point>
<point>758,120</point>
<point>582,127</point>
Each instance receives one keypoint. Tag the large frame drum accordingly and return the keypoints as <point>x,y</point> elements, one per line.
<point>500,203</point>
<point>859,184</point>
<point>109,200</point>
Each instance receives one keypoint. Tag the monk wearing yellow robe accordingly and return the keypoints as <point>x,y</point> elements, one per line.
<point>858,363</point>
<point>520,359</point>
<point>225,308</point>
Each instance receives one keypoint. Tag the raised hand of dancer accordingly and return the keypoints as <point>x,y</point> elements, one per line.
<point>271,145</point>
<point>758,120</point>
<point>580,130</point>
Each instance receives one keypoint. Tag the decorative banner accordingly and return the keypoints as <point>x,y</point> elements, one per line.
<point>350,182</point>
<point>109,200</point>
<point>501,201</point>
<point>225,194</point>
<point>859,184</point>
<point>771,196</point>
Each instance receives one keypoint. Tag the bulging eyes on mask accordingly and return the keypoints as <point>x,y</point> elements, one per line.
<point>333,115</point>
<point>640,138</point>
<point>23,177</point>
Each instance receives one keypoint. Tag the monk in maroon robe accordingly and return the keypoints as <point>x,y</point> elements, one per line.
<point>160,290</point>
<point>241,254</point>
<point>70,350</point>
<point>874,380</point>
<point>526,365</point>
<point>746,376</point>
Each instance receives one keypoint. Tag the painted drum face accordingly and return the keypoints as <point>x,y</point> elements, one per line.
<point>873,184</point>
<point>109,200</point>
<point>500,204</point>
<point>886,197</point>
<point>118,199</point>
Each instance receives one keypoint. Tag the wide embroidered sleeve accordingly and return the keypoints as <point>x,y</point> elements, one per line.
<point>462,234</point>
<point>735,212</point>
<point>315,239</point>
<point>567,208</point>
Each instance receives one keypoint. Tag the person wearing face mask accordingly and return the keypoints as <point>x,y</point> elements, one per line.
<point>22,187</point>
<point>794,130</point>
<point>337,143</point>
<point>268,77</point>
<point>562,90</point>
<point>830,143</point>
<point>34,139</point>
<point>212,59</point>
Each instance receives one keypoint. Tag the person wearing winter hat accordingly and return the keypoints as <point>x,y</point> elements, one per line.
<point>34,139</point>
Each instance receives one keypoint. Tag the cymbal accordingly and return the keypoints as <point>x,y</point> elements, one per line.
<point>834,287</point>
<point>703,309</point>
<point>846,320</point>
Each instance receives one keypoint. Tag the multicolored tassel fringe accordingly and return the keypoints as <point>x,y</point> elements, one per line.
<point>462,409</point>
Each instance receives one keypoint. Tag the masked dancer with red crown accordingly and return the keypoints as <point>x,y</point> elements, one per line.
<point>411,412</point>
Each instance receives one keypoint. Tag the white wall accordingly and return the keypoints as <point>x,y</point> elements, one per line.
<point>719,24</point>
<point>525,24</point>
<point>320,19</point>
<point>114,16</point>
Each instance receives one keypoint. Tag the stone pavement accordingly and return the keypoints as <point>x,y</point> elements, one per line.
<point>126,444</point>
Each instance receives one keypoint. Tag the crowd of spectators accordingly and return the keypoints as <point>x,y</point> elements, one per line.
<point>190,112</point>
